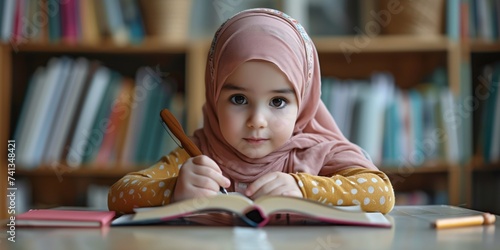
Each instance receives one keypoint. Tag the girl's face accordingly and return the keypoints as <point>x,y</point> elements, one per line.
<point>257,109</point>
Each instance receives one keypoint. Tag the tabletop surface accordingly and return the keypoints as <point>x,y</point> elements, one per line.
<point>411,230</point>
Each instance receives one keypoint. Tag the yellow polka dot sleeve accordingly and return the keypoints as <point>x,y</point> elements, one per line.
<point>149,187</point>
<point>370,189</point>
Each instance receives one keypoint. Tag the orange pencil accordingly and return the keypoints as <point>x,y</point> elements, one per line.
<point>477,220</point>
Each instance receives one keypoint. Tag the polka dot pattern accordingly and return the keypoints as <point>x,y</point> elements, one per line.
<point>148,187</point>
<point>166,193</point>
<point>366,201</point>
<point>369,189</point>
<point>361,180</point>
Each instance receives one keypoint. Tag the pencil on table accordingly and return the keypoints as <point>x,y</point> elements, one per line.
<point>477,220</point>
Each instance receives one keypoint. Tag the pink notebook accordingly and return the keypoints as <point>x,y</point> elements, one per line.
<point>64,218</point>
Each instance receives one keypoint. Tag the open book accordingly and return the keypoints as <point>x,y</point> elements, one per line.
<point>255,213</point>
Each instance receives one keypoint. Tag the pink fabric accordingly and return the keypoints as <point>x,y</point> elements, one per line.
<point>317,145</point>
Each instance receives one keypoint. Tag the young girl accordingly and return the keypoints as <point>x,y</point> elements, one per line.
<point>266,130</point>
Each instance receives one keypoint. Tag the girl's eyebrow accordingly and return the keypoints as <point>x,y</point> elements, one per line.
<point>229,86</point>
<point>284,91</point>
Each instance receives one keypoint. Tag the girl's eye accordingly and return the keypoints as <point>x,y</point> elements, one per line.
<point>238,100</point>
<point>278,103</point>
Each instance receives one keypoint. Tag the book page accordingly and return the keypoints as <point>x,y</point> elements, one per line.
<point>318,211</point>
<point>230,203</point>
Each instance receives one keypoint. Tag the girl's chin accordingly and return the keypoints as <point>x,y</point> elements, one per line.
<point>254,154</point>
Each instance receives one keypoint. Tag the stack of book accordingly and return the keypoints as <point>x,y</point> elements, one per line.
<point>78,112</point>
<point>396,127</point>
<point>71,21</point>
<point>487,141</point>
<point>480,19</point>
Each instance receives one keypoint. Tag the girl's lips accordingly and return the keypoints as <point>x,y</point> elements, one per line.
<point>255,140</point>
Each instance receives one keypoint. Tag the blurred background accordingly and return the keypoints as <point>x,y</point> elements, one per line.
<point>414,83</point>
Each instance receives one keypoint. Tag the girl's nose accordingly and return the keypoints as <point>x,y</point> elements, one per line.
<point>257,119</point>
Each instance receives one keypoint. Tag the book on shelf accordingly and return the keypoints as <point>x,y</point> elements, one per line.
<point>480,18</point>
<point>28,113</point>
<point>71,21</point>
<point>78,112</point>
<point>112,142</point>
<point>102,125</point>
<point>93,99</point>
<point>391,151</point>
<point>64,218</point>
<point>43,106</point>
<point>453,19</point>
<point>256,213</point>
<point>57,79</point>
<point>90,27</point>
<point>7,19</point>
<point>137,115</point>
<point>451,130</point>
<point>430,119</point>
<point>489,136</point>
<point>17,29</point>
<point>115,23</point>
<point>54,24</point>
<point>66,112</point>
<point>88,78</point>
<point>147,134</point>
<point>153,136</point>
<point>133,20</point>
<point>405,123</point>
<point>495,138</point>
<point>145,139</point>
<point>416,135</point>
<point>373,105</point>
<point>157,136</point>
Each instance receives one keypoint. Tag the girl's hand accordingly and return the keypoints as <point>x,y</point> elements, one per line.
<point>199,176</point>
<point>275,183</point>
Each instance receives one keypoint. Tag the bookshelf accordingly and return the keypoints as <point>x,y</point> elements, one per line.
<point>408,57</point>
<point>184,61</point>
<point>482,175</point>
<point>332,62</point>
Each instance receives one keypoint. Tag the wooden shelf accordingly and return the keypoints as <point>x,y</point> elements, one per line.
<point>93,171</point>
<point>330,44</point>
<point>434,167</point>
<point>382,43</point>
<point>487,167</point>
<point>480,46</point>
<point>149,45</point>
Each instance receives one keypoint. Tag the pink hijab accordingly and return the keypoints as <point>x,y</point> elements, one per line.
<point>317,146</point>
